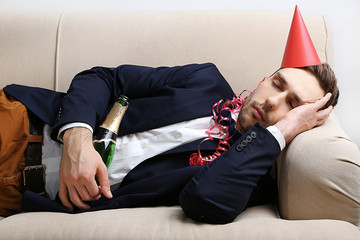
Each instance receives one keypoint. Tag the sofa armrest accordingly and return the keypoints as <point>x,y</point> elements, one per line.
<point>318,175</point>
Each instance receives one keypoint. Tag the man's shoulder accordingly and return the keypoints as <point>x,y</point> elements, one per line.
<point>203,68</point>
<point>201,65</point>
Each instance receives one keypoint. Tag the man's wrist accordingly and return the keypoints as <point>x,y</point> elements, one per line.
<point>278,136</point>
<point>72,125</point>
<point>287,130</point>
<point>84,134</point>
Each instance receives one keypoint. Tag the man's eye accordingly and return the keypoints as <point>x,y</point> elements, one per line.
<point>292,106</point>
<point>275,84</point>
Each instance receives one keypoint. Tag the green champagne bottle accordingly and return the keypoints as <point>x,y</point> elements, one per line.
<point>105,136</point>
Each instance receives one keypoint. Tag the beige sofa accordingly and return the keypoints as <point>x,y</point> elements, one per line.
<point>318,173</point>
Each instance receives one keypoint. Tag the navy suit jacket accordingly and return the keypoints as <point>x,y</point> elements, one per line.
<point>215,193</point>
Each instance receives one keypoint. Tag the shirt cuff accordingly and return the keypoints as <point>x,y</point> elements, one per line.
<point>278,136</point>
<point>72,125</point>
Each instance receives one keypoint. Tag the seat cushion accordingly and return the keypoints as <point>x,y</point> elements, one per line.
<point>256,223</point>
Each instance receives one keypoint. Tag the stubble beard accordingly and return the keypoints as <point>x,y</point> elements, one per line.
<point>242,124</point>
<point>245,120</point>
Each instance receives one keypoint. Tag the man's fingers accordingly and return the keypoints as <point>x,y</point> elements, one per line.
<point>67,194</point>
<point>93,190</point>
<point>89,192</point>
<point>75,198</point>
<point>323,115</point>
<point>104,182</point>
<point>320,103</point>
<point>63,195</point>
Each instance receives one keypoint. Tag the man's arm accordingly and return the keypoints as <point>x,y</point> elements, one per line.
<point>87,101</point>
<point>88,98</point>
<point>221,191</point>
<point>93,91</point>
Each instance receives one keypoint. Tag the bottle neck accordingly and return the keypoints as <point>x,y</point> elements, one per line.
<point>113,119</point>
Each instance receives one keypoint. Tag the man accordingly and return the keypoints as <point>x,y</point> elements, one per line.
<point>289,102</point>
<point>181,97</point>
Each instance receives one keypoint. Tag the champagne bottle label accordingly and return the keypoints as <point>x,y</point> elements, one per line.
<point>105,137</point>
<point>112,121</point>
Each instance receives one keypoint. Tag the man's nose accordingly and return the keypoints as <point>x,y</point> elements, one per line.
<point>276,100</point>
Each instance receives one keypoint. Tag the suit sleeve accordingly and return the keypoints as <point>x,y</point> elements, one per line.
<point>93,92</point>
<point>221,191</point>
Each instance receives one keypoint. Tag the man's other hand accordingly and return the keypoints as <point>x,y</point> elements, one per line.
<point>303,118</point>
<point>80,163</point>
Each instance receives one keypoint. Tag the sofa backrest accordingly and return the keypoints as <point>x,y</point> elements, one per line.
<point>46,49</point>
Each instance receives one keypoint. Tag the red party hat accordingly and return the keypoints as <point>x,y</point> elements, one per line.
<point>300,50</point>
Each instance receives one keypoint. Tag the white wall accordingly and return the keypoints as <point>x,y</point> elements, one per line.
<point>343,17</point>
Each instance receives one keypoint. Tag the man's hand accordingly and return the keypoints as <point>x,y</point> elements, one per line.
<point>304,118</point>
<point>80,162</point>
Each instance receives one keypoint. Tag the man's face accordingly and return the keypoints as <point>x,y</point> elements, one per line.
<point>287,89</point>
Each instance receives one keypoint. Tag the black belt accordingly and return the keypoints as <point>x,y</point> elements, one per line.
<point>34,171</point>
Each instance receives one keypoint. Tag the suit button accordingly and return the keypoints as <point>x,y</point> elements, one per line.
<point>239,148</point>
<point>253,134</point>
<point>248,139</point>
<point>244,143</point>
<point>58,117</point>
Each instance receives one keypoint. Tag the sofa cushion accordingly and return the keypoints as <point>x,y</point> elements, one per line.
<point>255,223</point>
<point>28,47</point>
<point>318,175</point>
<point>244,45</point>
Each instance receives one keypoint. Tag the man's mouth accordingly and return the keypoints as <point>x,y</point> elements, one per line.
<point>258,113</point>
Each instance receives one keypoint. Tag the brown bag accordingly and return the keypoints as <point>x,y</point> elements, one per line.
<point>14,134</point>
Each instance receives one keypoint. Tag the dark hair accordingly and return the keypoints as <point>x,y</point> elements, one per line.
<point>328,82</point>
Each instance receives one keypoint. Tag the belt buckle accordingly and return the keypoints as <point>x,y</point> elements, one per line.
<point>34,178</point>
